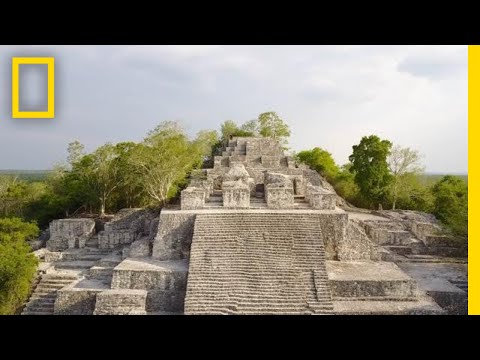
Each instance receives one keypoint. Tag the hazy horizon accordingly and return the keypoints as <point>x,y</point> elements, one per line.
<point>331,96</point>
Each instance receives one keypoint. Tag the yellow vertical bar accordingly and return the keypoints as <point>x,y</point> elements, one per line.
<point>51,88</point>
<point>15,88</point>
<point>473,179</point>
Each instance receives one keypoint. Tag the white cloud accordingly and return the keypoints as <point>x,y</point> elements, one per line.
<point>330,95</point>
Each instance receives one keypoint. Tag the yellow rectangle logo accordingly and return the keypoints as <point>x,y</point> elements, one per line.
<point>16,113</point>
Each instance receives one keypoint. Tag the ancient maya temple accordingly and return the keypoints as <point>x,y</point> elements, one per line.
<point>255,234</point>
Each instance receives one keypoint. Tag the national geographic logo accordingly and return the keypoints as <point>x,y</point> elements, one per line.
<point>50,112</point>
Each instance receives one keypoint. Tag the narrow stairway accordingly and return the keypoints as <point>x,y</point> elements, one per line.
<point>43,298</point>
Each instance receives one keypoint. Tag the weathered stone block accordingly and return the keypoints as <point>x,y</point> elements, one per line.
<point>236,195</point>
<point>356,245</point>
<point>166,301</point>
<point>127,219</point>
<point>113,239</point>
<point>51,256</point>
<point>300,185</point>
<point>121,302</point>
<point>75,302</point>
<point>270,162</point>
<point>174,235</point>
<point>150,274</point>
<point>278,178</point>
<point>279,197</point>
<point>290,162</point>
<point>70,233</point>
<point>206,185</point>
<point>193,198</point>
<point>423,229</point>
<point>319,198</point>
<point>78,298</point>
<point>368,279</point>
<point>140,248</point>
<point>220,162</point>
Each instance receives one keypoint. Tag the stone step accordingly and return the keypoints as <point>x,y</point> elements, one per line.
<point>64,265</point>
<point>50,300</point>
<point>460,284</point>
<point>37,313</point>
<point>40,307</point>
<point>420,307</point>
<point>245,282</point>
<point>49,296</point>
<point>400,249</point>
<point>101,272</point>
<point>59,277</point>
<point>50,287</point>
<point>94,250</point>
<point>92,242</point>
<point>82,255</point>
<point>374,298</point>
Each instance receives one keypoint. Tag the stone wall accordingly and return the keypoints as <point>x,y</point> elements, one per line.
<point>127,226</point>
<point>70,233</point>
<point>192,198</point>
<point>73,300</point>
<point>113,239</point>
<point>236,195</point>
<point>121,302</point>
<point>165,282</point>
<point>334,230</point>
<point>357,245</point>
<point>174,235</point>
<point>130,218</point>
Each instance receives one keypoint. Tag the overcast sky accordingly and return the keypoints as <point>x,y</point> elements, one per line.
<point>330,96</point>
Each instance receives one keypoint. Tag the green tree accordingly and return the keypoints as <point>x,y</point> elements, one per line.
<point>271,125</point>
<point>76,151</point>
<point>130,190</point>
<point>451,203</point>
<point>402,161</point>
<point>100,175</point>
<point>250,127</point>
<point>412,194</point>
<point>205,141</point>
<point>321,161</point>
<point>228,129</point>
<point>370,168</point>
<point>17,263</point>
<point>164,160</point>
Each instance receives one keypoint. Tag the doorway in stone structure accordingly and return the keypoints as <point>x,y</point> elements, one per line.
<point>260,191</point>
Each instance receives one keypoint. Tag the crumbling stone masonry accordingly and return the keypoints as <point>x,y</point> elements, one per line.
<point>256,234</point>
<point>70,233</point>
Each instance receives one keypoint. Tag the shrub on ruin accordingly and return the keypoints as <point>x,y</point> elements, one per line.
<point>17,263</point>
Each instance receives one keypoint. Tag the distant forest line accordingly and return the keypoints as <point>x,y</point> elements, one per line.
<point>40,175</point>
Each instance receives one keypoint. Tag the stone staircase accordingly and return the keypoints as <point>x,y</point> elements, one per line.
<point>103,269</point>
<point>43,298</point>
<point>262,263</point>
<point>461,284</point>
<point>80,259</point>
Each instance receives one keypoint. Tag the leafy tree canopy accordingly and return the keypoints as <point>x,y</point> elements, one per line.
<point>451,203</point>
<point>370,167</point>
<point>321,161</point>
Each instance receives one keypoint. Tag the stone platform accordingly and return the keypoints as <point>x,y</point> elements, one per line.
<point>446,283</point>
<point>369,280</point>
<point>376,288</point>
<point>165,281</point>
